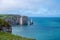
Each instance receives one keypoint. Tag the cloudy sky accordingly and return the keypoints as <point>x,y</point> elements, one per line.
<point>35,8</point>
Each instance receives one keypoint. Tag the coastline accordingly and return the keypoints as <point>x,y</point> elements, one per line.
<point>8,36</point>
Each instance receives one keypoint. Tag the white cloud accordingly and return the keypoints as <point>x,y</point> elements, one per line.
<point>24,4</point>
<point>10,4</point>
<point>35,7</point>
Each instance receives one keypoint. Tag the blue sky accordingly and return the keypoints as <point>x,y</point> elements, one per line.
<point>35,8</point>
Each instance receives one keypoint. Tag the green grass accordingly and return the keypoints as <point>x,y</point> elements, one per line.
<point>8,36</point>
<point>4,16</point>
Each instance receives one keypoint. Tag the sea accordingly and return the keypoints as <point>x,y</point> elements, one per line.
<point>43,28</point>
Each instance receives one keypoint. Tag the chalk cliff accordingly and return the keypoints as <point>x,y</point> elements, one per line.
<point>15,19</point>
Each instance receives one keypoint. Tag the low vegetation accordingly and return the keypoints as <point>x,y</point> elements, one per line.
<point>4,23</point>
<point>7,36</point>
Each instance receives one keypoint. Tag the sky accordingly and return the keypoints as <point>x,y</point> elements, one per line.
<point>33,8</point>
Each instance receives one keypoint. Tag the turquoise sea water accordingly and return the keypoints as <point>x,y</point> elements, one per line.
<point>44,28</point>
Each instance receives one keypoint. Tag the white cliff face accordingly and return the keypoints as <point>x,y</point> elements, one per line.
<point>16,20</point>
<point>13,20</point>
<point>21,21</point>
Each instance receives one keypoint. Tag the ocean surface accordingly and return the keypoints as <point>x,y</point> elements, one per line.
<point>44,28</point>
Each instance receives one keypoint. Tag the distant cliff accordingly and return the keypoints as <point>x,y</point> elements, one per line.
<point>23,20</point>
<point>14,19</point>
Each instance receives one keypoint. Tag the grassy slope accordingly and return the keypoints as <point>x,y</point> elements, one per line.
<point>13,16</point>
<point>7,36</point>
